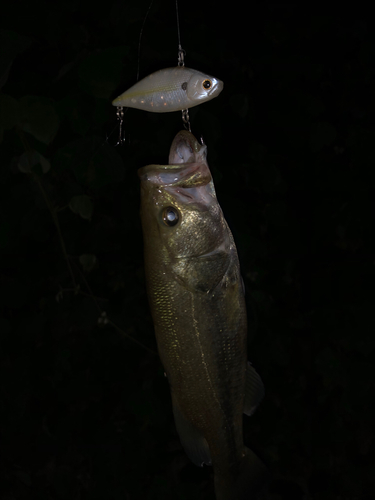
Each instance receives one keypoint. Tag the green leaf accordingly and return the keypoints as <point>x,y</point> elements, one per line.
<point>11,44</point>
<point>28,160</point>
<point>81,205</point>
<point>75,110</point>
<point>39,118</point>
<point>9,113</point>
<point>88,261</point>
<point>93,162</point>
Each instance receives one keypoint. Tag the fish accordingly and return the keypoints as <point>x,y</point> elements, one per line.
<point>196,297</point>
<point>170,89</point>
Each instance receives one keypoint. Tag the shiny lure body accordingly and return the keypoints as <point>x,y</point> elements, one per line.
<point>170,89</point>
<point>197,303</point>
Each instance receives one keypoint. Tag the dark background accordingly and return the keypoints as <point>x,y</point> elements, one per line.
<point>85,411</point>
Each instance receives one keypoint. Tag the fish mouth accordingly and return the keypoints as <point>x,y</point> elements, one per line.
<point>187,165</point>
<point>213,253</point>
<point>183,176</point>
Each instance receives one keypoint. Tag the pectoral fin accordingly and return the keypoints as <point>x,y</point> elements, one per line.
<point>192,440</point>
<point>254,390</point>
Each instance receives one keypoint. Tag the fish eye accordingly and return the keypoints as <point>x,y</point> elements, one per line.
<point>170,216</point>
<point>207,84</point>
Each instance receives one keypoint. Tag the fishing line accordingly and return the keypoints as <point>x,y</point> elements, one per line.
<point>181,51</point>
<point>120,110</point>
<point>140,37</point>
<point>179,36</point>
<point>181,62</point>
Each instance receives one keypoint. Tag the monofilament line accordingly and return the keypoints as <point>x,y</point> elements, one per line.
<point>140,36</point>
<point>181,52</point>
<point>178,28</point>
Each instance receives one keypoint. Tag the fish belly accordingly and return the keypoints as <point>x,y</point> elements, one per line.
<point>202,344</point>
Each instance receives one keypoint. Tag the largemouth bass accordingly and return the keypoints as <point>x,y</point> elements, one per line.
<point>170,89</point>
<point>197,302</point>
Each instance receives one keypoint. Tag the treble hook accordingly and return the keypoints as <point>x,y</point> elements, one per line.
<point>121,135</point>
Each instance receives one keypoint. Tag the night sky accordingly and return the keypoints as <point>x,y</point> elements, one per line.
<point>85,412</point>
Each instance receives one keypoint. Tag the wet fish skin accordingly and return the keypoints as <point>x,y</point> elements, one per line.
<point>198,308</point>
<point>170,89</point>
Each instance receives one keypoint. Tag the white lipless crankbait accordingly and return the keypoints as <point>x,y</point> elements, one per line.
<point>170,89</point>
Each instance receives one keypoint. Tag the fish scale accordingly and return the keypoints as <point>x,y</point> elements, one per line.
<point>198,308</point>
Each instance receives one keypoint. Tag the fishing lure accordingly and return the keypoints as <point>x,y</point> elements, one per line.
<point>170,89</point>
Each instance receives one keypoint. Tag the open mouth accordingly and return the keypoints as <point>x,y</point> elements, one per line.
<point>184,175</point>
<point>187,165</point>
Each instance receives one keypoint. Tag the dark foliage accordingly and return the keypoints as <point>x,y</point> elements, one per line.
<point>85,411</point>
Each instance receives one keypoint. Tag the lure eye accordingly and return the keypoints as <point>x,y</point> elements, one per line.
<point>207,84</point>
<point>170,216</point>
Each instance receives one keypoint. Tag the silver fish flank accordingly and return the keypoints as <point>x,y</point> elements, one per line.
<point>170,89</point>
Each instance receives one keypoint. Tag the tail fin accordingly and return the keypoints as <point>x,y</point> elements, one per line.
<point>249,483</point>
